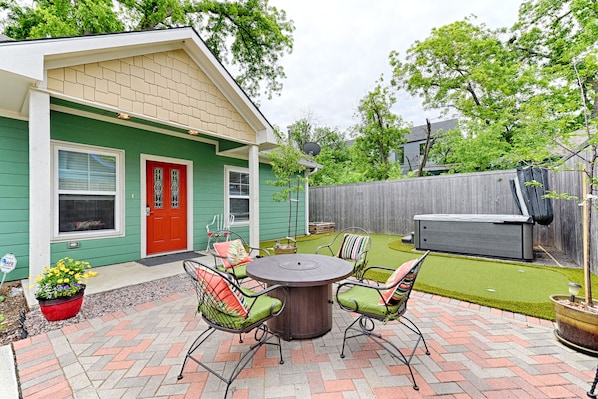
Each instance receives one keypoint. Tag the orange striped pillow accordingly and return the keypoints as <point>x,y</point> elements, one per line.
<point>233,253</point>
<point>226,297</point>
<point>394,295</point>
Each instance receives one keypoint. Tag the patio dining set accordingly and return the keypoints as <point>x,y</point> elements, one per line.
<point>291,297</point>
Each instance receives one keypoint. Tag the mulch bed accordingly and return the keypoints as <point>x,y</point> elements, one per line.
<point>13,309</point>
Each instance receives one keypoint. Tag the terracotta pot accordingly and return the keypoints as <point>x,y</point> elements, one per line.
<point>61,308</point>
<point>576,327</point>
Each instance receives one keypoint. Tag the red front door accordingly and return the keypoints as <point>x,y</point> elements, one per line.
<point>166,207</point>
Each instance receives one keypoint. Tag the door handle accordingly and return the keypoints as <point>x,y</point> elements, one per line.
<point>148,210</point>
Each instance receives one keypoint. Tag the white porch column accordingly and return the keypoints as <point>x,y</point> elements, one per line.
<point>40,177</point>
<point>254,196</point>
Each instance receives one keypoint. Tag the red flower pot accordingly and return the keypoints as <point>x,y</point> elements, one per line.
<point>61,308</point>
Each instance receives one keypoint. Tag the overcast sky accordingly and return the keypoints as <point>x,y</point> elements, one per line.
<point>341,48</point>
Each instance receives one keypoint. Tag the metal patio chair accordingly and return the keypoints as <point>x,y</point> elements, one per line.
<point>351,244</point>
<point>383,303</point>
<point>227,307</point>
<point>232,254</point>
<point>219,222</point>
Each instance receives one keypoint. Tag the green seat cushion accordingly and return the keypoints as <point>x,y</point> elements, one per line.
<point>264,306</point>
<point>240,271</point>
<point>365,300</point>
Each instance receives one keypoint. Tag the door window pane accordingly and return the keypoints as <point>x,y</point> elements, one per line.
<point>158,188</point>
<point>174,188</point>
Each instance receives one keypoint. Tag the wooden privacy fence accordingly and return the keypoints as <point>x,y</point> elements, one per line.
<point>388,207</point>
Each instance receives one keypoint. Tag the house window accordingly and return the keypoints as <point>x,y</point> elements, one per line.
<point>401,155</point>
<point>238,193</point>
<point>87,192</point>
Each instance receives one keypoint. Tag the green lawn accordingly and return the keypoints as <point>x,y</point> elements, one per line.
<point>515,286</point>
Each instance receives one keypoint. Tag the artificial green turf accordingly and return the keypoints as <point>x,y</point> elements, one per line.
<point>514,286</point>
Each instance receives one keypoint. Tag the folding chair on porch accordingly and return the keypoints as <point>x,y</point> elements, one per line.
<point>382,303</point>
<point>227,307</point>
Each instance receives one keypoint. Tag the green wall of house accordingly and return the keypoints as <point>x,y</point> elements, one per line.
<point>274,216</point>
<point>14,194</point>
<point>208,182</point>
<point>208,175</point>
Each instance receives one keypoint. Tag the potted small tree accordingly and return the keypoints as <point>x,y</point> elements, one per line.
<point>286,166</point>
<point>577,318</point>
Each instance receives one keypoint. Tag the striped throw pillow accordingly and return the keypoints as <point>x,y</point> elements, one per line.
<point>224,296</point>
<point>233,253</point>
<point>352,247</point>
<point>394,295</point>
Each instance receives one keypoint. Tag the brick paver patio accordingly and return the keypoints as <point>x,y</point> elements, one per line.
<point>476,352</point>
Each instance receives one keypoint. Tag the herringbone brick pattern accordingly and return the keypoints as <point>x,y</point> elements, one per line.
<point>476,352</point>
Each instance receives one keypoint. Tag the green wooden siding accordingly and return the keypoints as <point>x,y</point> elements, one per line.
<point>274,216</point>
<point>14,196</point>
<point>208,183</point>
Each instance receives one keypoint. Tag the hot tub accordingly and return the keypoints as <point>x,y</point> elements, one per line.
<point>503,236</point>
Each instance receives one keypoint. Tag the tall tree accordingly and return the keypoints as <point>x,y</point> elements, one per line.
<point>467,70</point>
<point>379,133</point>
<point>561,37</point>
<point>248,36</point>
<point>514,92</point>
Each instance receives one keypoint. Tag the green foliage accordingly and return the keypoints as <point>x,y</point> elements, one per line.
<point>337,167</point>
<point>516,92</point>
<point>378,134</point>
<point>63,279</point>
<point>247,35</point>
<point>335,156</point>
<point>306,130</point>
<point>286,166</point>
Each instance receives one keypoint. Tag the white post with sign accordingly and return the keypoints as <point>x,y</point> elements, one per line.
<point>7,265</point>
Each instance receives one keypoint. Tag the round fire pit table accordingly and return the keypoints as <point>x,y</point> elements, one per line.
<point>308,278</point>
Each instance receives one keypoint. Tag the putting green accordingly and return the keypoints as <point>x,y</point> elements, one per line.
<point>495,280</point>
<point>518,287</point>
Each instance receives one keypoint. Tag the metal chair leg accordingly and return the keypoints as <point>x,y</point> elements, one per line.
<point>262,336</point>
<point>366,328</point>
<point>591,393</point>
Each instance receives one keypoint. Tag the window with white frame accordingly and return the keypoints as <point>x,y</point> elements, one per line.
<point>237,186</point>
<point>88,196</point>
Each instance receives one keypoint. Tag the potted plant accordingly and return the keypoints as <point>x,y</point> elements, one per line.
<point>60,288</point>
<point>577,319</point>
<point>286,166</point>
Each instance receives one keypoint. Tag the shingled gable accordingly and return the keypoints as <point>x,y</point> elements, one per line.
<point>165,76</point>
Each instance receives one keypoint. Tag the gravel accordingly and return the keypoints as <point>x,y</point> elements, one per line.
<point>96,305</point>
